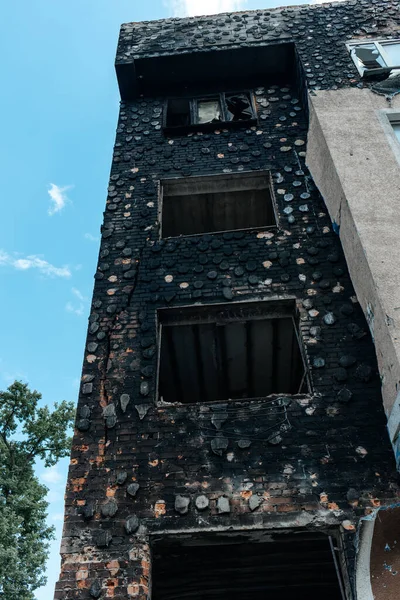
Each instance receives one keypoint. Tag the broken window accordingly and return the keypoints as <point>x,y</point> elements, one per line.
<point>375,57</point>
<point>219,203</point>
<point>264,564</point>
<point>238,107</point>
<point>235,351</point>
<point>219,108</point>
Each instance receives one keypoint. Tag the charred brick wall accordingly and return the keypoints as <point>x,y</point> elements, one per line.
<point>140,467</point>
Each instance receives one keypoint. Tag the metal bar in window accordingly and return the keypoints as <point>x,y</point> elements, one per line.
<point>306,374</point>
<point>338,571</point>
<point>193,111</point>
<point>224,109</point>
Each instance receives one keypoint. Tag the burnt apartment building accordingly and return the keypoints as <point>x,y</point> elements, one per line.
<point>239,405</point>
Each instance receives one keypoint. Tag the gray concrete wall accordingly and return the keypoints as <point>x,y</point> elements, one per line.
<point>354,159</point>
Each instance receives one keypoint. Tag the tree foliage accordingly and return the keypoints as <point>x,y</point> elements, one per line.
<point>27,432</point>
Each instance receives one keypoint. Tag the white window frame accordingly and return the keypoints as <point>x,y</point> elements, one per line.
<point>393,117</point>
<point>380,45</point>
<point>395,120</point>
<point>388,117</point>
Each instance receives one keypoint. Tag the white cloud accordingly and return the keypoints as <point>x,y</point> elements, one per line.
<point>90,237</point>
<point>79,308</point>
<point>76,310</point>
<point>79,295</point>
<point>58,198</point>
<point>191,8</point>
<point>52,475</point>
<point>33,262</point>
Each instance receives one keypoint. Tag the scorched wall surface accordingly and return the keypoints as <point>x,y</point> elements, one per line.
<point>310,461</point>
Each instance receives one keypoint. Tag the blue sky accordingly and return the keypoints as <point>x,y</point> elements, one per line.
<point>58,112</point>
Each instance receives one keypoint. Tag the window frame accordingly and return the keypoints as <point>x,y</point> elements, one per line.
<point>268,174</point>
<point>389,117</point>
<point>223,536</point>
<point>395,120</point>
<point>225,122</point>
<point>379,44</point>
<point>259,309</point>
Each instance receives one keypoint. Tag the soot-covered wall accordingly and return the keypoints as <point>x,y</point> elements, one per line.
<point>141,467</point>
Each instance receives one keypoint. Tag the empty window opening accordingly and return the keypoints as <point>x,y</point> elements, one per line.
<point>178,114</point>
<point>223,352</point>
<point>221,203</point>
<point>372,58</point>
<point>290,566</point>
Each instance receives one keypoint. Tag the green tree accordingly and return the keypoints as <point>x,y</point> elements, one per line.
<point>27,433</point>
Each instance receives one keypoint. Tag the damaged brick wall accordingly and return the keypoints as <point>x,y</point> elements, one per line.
<point>140,467</point>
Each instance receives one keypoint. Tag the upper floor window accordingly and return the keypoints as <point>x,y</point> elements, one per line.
<point>196,205</point>
<point>375,57</point>
<point>207,111</point>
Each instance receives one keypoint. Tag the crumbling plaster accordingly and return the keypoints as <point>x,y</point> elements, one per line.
<point>351,155</point>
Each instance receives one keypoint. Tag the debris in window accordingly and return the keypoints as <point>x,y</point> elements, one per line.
<point>239,107</point>
<point>390,87</point>
<point>208,111</point>
<point>368,56</point>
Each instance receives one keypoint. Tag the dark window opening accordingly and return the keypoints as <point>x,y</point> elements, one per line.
<point>239,107</point>
<point>178,113</point>
<point>288,566</point>
<point>246,350</point>
<point>221,203</point>
<point>208,110</point>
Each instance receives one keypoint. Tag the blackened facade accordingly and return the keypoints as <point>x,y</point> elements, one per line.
<point>148,474</point>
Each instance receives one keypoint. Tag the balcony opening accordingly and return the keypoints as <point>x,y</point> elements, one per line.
<point>216,203</point>
<point>240,566</point>
<point>230,351</point>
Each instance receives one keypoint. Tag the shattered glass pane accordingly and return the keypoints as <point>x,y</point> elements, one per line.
<point>208,111</point>
<point>239,107</point>
<point>367,56</point>
<point>393,52</point>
